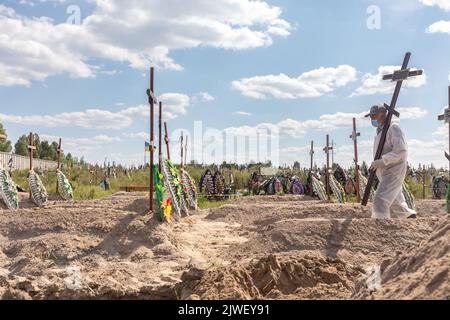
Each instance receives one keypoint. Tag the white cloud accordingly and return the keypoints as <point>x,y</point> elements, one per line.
<point>138,135</point>
<point>81,146</point>
<point>206,96</point>
<point>439,27</point>
<point>443,4</point>
<point>314,83</point>
<point>242,113</point>
<point>374,83</point>
<point>326,122</point>
<point>36,48</point>
<point>174,104</point>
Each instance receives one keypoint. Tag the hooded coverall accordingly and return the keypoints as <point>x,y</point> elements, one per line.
<point>389,197</point>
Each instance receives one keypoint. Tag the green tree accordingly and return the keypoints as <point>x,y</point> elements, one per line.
<point>21,146</point>
<point>5,145</point>
<point>47,152</point>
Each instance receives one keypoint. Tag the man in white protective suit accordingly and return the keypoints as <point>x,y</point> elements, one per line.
<point>390,169</point>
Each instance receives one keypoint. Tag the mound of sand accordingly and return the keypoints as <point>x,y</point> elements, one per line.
<point>276,247</point>
<point>422,273</point>
<point>309,276</point>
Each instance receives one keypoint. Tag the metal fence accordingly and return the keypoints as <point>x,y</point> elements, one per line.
<point>22,163</point>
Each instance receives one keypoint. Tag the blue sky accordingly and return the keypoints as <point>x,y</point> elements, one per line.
<point>302,67</point>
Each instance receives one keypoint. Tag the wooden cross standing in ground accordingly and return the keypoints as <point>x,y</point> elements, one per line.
<point>151,100</point>
<point>311,154</point>
<point>398,76</point>
<point>354,136</point>
<point>327,150</point>
<point>446,117</point>
<point>3,136</point>
<point>31,148</point>
<point>59,151</point>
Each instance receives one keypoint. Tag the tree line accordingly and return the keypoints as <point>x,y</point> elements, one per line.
<point>45,150</point>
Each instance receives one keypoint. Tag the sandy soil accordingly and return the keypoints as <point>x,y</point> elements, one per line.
<point>288,247</point>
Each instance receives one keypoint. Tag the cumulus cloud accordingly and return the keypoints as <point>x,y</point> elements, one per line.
<point>81,146</point>
<point>374,83</point>
<point>174,104</point>
<point>314,83</point>
<point>443,4</point>
<point>327,122</point>
<point>35,48</point>
<point>439,27</point>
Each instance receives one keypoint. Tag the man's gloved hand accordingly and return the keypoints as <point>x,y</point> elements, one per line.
<point>377,164</point>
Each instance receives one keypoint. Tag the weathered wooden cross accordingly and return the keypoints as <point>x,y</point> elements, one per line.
<point>446,117</point>
<point>327,150</point>
<point>166,140</point>
<point>3,136</point>
<point>31,148</point>
<point>151,100</point>
<point>311,154</point>
<point>398,76</point>
<point>185,150</point>
<point>59,151</point>
<point>354,136</point>
<point>181,149</point>
<point>160,136</point>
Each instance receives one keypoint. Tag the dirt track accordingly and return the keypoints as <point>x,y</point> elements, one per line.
<point>257,247</point>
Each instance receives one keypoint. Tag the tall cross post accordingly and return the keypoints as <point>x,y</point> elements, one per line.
<point>181,149</point>
<point>3,136</point>
<point>311,154</point>
<point>354,136</point>
<point>327,150</point>
<point>59,151</point>
<point>31,148</point>
<point>151,100</point>
<point>398,76</point>
<point>160,136</point>
<point>166,140</point>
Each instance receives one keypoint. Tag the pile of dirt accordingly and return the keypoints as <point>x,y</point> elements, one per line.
<point>275,247</point>
<point>422,273</point>
<point>310,276</point>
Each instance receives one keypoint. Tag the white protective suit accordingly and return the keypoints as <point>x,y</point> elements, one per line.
<point>389,197</point>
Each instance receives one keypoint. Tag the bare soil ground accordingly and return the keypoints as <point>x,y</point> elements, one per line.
<point>279,247</point>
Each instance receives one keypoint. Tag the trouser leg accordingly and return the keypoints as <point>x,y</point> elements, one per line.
<point>400,206</point>
<point>390,186</point>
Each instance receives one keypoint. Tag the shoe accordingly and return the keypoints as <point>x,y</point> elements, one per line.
<point>412,216</point>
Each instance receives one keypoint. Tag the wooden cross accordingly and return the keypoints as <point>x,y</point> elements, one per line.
<point>160,136</point>
<point>3,136</point>
<point>398,76</point>
<point>446,117</point>
<point>327,150</point>
<point>59,151</point>
<point>31,147</point>
<point>166,140</point>
<point>185,151</point>
<point>151,100</point>
<point>181,144</point>
<point>311,154</point>
<point>354,136</point>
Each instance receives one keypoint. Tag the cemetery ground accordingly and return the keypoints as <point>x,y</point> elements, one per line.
<point>258,247</point>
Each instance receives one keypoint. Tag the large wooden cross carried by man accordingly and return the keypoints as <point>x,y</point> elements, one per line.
<point>446,117</point>
<point>398,76</point>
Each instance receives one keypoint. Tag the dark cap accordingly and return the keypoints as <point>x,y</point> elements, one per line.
<point>377,109</point>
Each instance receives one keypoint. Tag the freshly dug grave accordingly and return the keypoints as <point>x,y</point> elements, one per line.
<point>283,276</point>
<point>277,247</point>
